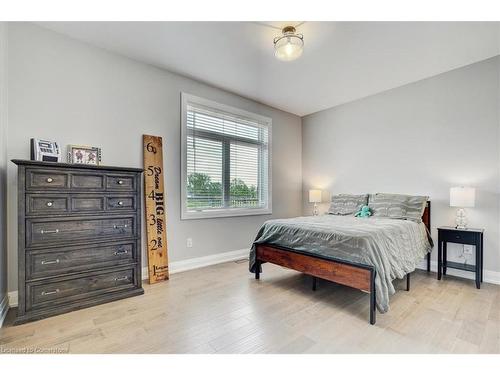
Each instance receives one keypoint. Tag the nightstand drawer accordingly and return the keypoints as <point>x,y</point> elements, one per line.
<point>461,237</point>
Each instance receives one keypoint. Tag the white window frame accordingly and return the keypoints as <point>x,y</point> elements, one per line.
<point>223,212</point>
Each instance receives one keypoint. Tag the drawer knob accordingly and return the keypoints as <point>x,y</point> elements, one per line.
<point>44,293</point>
<point>49,179</point>
<point>49,231</point>
<point>457,237</point>
<point>50,204</point>
<point>120,203</point>
<point>124,278</point>
<point>45,262</point>
<point>119,182</point>
<point>120,226</point>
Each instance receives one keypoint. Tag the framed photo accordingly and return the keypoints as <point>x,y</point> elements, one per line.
<point>84,155</point>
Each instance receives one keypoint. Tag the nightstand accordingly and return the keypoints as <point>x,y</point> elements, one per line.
<point>467,236</point>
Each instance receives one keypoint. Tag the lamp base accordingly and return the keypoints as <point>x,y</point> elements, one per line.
<point>315,210</point>
<point>461,219</point>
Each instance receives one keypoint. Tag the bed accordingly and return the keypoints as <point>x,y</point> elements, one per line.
<point>362,253</point>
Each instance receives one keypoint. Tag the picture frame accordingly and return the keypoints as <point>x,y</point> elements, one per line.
<point>79,154</point>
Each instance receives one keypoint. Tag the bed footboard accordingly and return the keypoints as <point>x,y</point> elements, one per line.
<point>356,276</point>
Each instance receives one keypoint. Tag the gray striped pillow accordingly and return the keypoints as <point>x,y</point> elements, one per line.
<point>398,206</point>
<point>347,204</point>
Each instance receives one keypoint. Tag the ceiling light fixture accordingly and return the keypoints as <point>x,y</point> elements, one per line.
<point>289,46</point>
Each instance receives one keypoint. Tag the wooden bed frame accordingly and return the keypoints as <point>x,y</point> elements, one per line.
<point>354,275</point>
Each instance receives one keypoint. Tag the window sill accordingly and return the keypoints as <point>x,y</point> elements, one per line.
<point>213,214</point>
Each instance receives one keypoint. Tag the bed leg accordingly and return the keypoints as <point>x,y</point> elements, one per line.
<point>373,305</point>
<point>314,283</point>
<point>257,269</point>
<point>407,282</point>
<point>428,262</point>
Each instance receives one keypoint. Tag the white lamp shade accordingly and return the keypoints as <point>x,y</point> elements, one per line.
<point>314,196</point>
<point>461,196</point>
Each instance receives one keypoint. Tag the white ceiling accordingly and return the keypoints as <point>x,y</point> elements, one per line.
<point>342,61</point>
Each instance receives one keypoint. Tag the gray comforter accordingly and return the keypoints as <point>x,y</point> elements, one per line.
<point>393,247</point>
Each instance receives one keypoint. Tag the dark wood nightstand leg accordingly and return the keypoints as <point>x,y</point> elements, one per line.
<point>440,244</point>
<point>478,263</point>
<point>481,253</point>
<point>428,262</point>
<point>445,257</point>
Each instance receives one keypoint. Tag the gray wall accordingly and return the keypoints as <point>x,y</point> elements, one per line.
<point>3,161</point>
<point>65,90</point>
<point>421,138</point>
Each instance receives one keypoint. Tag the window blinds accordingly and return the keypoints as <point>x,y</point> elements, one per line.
<point>227,160</point>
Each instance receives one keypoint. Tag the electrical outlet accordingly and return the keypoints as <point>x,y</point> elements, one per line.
<point>468,249</point>
<point>189,242</point>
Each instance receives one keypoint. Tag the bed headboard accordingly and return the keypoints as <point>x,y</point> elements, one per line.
<point>426,217</point>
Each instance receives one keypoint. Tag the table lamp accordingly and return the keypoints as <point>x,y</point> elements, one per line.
<point>462,197</point>
<point>315,197</point>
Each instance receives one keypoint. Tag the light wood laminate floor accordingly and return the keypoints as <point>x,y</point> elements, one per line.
<point>222,309</point>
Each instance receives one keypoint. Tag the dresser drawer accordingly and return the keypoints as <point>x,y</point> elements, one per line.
<point>71,289</point>
<point>120,182</point>
<point>81,204</point>
<point>120,203</point>
<point>46,179</point>
<point>46,204</point>
<point>57,262</point>
<point>460,237</point>
<point>88,181</point>
<point>67,230</point>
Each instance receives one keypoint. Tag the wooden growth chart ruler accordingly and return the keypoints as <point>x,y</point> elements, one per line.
<point>155,205</point>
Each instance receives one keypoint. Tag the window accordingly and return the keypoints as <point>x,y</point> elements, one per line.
<point>225,160</point>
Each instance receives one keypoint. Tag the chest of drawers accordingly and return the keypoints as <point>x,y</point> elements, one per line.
<point>79,240</point>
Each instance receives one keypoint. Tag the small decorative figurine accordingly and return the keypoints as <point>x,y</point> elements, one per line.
<point>364,212</point>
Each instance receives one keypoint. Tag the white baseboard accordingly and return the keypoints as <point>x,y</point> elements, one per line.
<point>488,277</point>
<point>210,260</point>
<point>4,307</point>
<point>179,266</point>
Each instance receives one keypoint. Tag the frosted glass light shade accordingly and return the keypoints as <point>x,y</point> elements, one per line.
<point>461,196</point>
<point>314,196</point>
<point>289,46</point>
